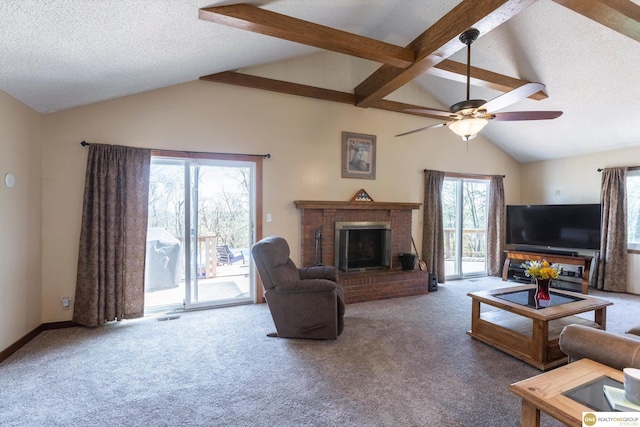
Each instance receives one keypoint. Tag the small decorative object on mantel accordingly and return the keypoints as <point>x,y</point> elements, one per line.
<point>361,196</point>
<point>542,272</point>
<point>358,155</point>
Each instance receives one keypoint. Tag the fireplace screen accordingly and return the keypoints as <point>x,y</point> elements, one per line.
<point>362,246</point>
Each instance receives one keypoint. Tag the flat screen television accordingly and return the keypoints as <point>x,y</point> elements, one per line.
<point>558,226</point>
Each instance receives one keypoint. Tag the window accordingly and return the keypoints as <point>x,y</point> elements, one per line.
<point>464,216</point>
<point>633,209</point>
<point>202,222</point>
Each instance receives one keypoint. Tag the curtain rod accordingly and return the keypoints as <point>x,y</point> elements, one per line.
<point>470,175</point>
<point>264,156</point>
<point>631,168</point>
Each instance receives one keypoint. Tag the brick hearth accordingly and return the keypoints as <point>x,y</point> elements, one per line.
<point>377,285</point>
<point>370,285</point>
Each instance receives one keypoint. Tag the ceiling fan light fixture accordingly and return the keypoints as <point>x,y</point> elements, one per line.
<point>468,128</point>
<point>470,116</point>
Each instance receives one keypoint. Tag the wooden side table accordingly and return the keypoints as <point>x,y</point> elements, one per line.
<point>544,392</point>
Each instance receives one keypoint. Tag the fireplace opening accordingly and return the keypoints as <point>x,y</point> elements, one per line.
<point>361,246</point>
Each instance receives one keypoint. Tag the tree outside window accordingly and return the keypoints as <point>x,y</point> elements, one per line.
<point>633,209</point>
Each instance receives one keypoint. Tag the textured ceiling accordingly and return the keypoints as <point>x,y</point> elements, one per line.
<point>66,53</point>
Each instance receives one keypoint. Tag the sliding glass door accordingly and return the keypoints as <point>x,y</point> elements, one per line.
<point>464,210</point>
<point>201,226</point>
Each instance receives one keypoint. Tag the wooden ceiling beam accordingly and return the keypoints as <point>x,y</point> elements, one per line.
<point>256,82</point>
<point>262,21</point>
<point>401,107</point>
<point>622,16</point>
<point>437,43</point>
<point>457,71</point>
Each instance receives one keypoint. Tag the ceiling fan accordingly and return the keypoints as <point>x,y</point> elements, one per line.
<point>467,118</point>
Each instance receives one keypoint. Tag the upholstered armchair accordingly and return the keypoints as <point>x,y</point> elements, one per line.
<point>304,302</point>
<point>616,350</point>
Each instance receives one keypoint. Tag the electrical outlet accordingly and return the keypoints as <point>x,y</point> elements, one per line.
<point>66,302</point>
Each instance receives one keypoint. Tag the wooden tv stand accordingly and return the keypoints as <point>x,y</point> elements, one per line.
<point>581,260</point>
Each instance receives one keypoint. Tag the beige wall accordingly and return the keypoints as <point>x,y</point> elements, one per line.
<point>302,135</point>
<point>578,181</point>
<point>20,211</point>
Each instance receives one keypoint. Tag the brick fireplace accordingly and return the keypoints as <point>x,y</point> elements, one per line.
<point>368,285</point>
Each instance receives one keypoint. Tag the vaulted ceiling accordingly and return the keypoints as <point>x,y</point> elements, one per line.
<point>62,54</point>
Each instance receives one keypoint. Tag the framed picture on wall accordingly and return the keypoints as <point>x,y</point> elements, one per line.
<point>358,155</point>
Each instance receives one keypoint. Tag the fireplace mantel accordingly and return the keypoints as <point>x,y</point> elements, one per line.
<point>315,204</point>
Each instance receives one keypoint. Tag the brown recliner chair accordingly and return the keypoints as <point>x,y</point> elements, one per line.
<point>304,302</point>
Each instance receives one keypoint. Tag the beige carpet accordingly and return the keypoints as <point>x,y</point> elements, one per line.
<point>400,362</point>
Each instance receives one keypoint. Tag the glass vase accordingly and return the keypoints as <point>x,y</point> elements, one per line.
<point>543,299</point>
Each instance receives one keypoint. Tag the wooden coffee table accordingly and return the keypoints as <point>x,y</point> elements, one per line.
<point>545,392</point>
<point>527,333</point>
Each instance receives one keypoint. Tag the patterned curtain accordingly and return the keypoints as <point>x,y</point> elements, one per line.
<point>612,265</point>
<point>432,227</point>
<point>110,280</point>
<point>496,223</point>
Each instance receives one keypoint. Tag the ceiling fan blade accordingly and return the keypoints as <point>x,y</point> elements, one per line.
<point>513,116</point>
<point>512,97</point>
<point>421,129</point>
<point>428,111</point>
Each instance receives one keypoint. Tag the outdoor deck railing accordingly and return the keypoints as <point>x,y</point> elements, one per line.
<point>207,260</point>
<point>474,243</point>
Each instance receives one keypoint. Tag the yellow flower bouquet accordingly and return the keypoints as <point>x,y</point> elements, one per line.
<point>541,269</point>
